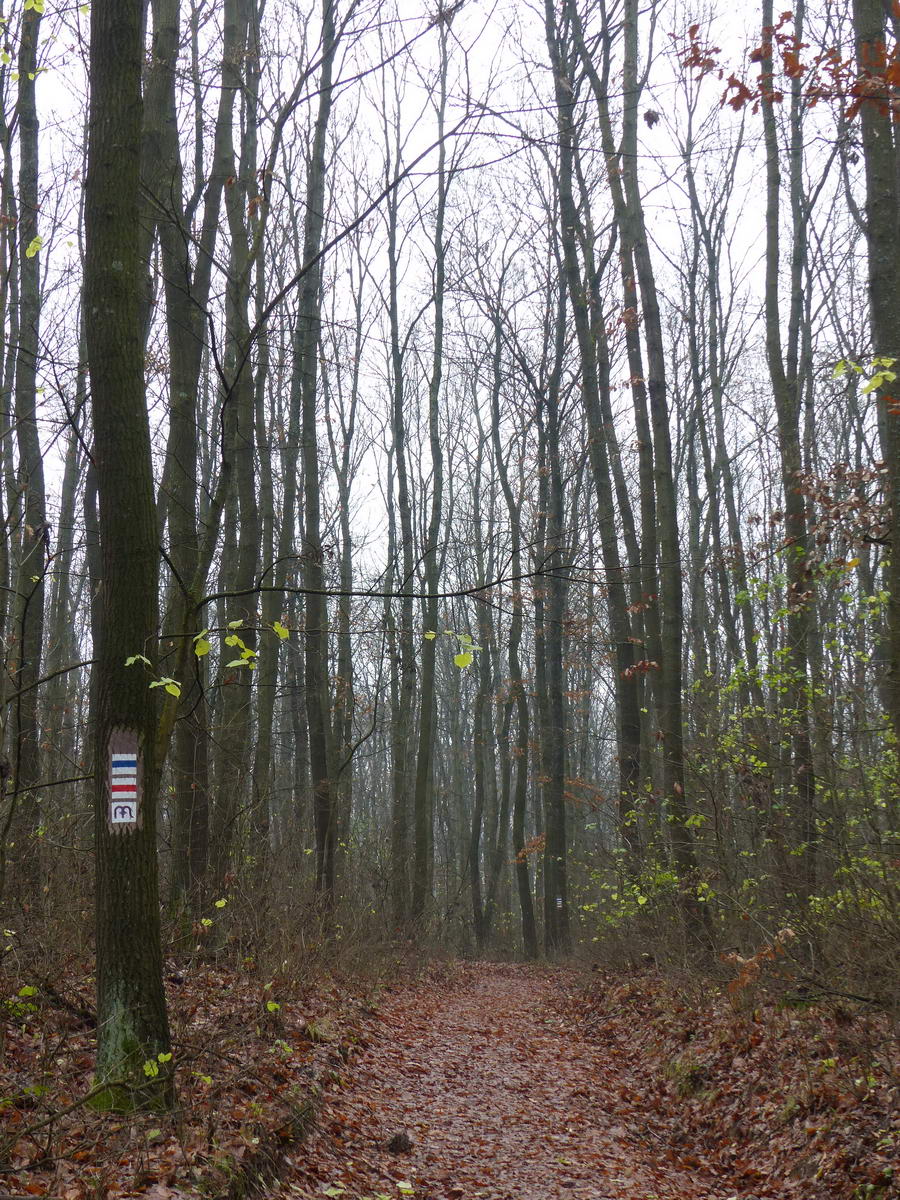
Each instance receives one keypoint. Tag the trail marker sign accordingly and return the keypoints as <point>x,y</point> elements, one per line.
<point>124,779</point>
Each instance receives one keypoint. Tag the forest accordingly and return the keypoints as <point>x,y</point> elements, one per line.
<point>450,470</point>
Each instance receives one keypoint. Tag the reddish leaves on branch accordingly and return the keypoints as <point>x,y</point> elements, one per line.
<point>748,968</point>
<point>642,667</point>
<point>826,76</point>
<point>848,507</point>
<point>534,845</point>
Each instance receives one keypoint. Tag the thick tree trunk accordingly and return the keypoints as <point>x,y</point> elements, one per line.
<point>881,152</point>
<point>132,1027</point>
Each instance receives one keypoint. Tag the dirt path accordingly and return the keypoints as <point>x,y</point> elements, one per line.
<point>501,1100</point>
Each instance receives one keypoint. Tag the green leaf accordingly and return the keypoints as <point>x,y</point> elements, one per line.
<point>238,662</point>
<point>235,624</point>
<point>172,686</point>
<point>5,57</point>
<point>233,640</point>
<point>28,990</point>
<point>463,660</point>
<point>36,242</point>
<point>642,899</point>
<point>282,630</point>
<point>272,1006</point>
<point>36,5</point>
<point>129,662</point>
<point>201,646</point>
<point>221,903</point>
<point>205,922</point>
<point>151,1069</point>
<point>163,1057</point>
<point>429,635</point>
<point>878,380</point>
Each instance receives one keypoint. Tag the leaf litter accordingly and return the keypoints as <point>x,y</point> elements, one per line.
<point>248,1067</point>
<point>501,1097</point>
<point>475,1081</point>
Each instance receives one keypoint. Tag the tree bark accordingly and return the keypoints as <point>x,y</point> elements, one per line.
<point>881,154</point>
<point>132,1025</point>
<point>783,365</point>
<point>423,815</point>
<point>34,534</point>
<point>306,351</point>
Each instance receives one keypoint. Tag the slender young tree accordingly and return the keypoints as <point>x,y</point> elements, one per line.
<point>783,356</point>
<point>307,361</point>
<point>577,239</point>
<point>423,815</point>
<point>34,532</point>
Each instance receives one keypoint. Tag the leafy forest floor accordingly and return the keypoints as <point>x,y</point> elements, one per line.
<point>473,1081</point>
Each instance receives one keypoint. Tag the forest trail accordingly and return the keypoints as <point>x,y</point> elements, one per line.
<point>501,1098</point>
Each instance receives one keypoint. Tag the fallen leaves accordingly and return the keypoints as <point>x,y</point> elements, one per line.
<point>502,1098</point>
<point>244,1089</point>
<point>766,1098</point>
<point>476,1082</point>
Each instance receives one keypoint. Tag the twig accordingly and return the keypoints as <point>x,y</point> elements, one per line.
<point>63,1112</point>
<point>87,1015</point>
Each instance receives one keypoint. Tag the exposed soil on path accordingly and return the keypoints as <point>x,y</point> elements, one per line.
<point>500,1098</point>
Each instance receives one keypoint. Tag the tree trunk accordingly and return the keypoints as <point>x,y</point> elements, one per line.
<point>307,351</point>
<point>34,538</point>
<point>881,153</point>
<point>786,387</point>
<point>132,1026</point>
<point>594,363</point>
<point>422,799</point>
